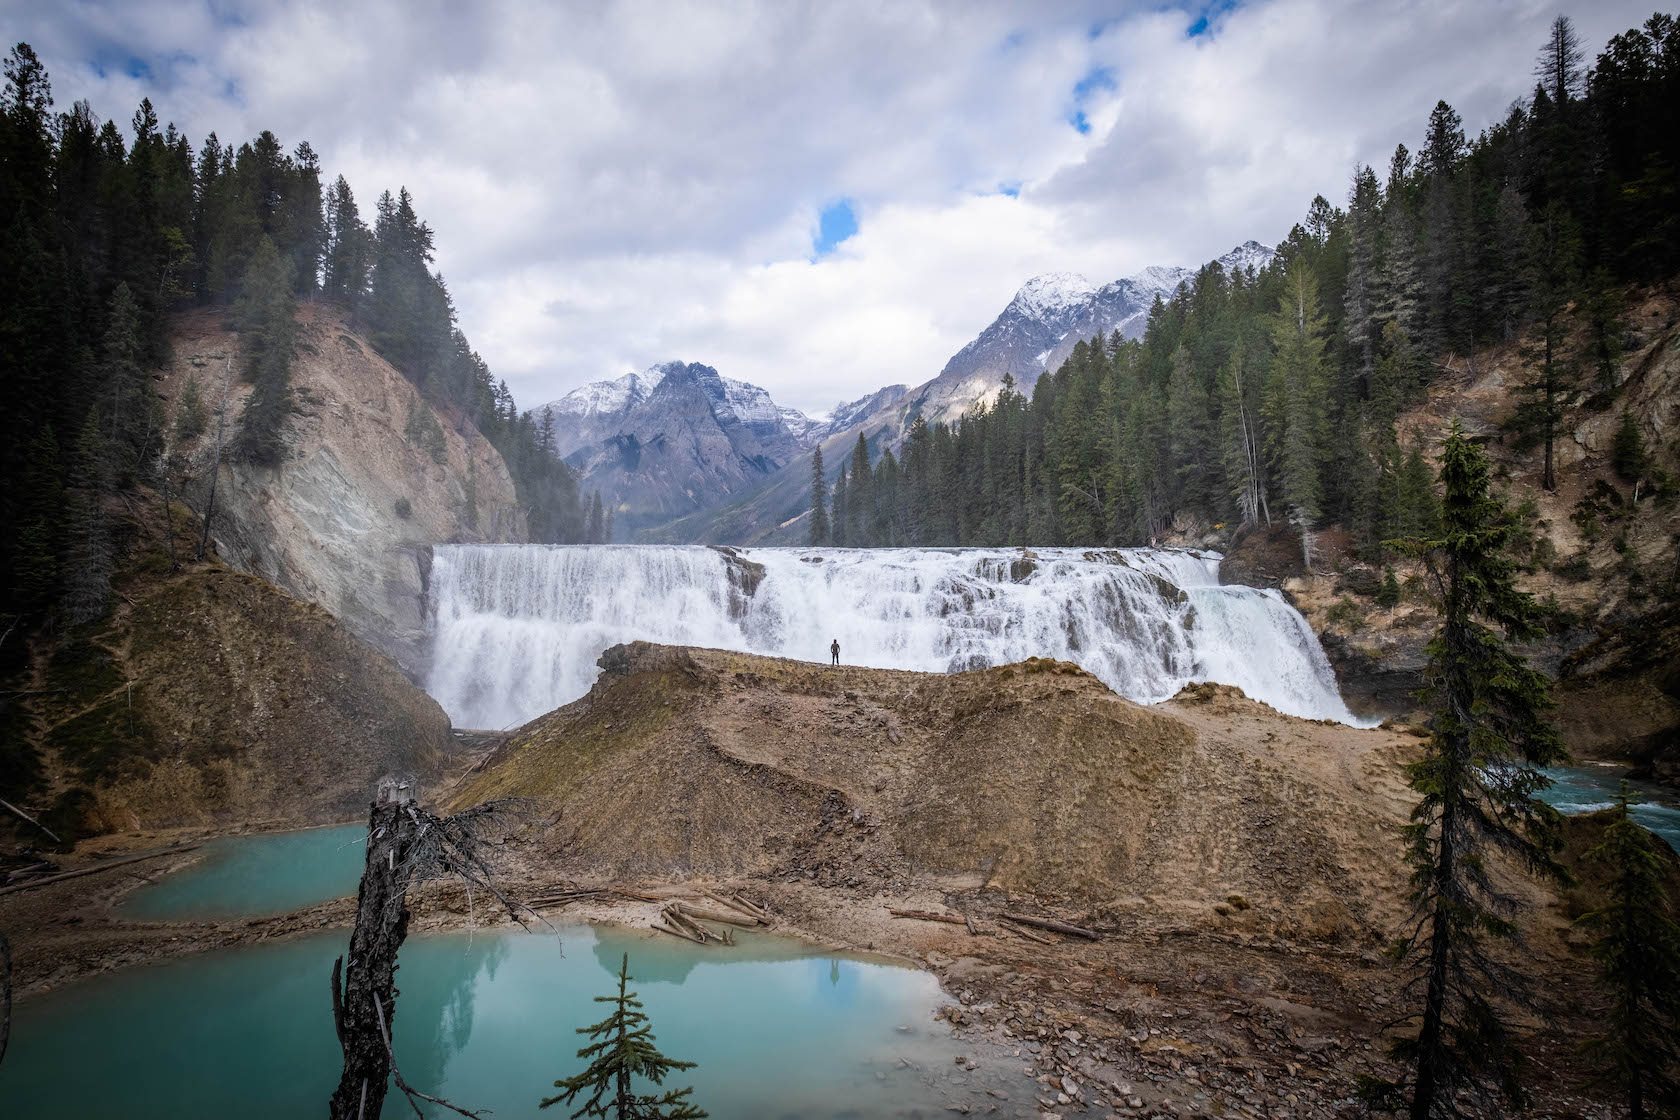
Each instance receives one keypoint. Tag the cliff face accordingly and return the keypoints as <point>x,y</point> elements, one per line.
<point>347,519</point>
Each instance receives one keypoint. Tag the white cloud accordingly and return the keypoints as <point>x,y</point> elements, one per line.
<point>619,184</point>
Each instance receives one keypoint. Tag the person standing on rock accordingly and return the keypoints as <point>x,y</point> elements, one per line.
<point>834,651</point>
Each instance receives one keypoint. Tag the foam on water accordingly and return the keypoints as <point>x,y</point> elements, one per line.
<point>517,628</point>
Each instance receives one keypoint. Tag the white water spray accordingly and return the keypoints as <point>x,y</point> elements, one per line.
<point>517,628</point>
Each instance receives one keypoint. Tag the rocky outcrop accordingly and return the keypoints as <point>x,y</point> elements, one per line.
<point>373,476</point>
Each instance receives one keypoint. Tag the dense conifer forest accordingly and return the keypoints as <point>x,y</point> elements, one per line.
<point>107,233</point>
<point>1277,396</point>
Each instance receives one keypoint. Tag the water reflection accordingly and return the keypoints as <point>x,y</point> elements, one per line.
<point>489,1021</point>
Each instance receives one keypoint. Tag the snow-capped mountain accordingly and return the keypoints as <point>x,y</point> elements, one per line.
<point>1048,315</point>
<point>596,411</point>
<point>674,438</point>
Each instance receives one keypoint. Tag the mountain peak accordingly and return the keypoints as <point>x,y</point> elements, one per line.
<point>1052,293</point>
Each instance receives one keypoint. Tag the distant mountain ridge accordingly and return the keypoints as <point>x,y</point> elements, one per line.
<point>1047,316</point>
<point>1035,332</point>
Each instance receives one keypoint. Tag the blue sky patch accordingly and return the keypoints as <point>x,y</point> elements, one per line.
<point>1207,15</point>
<point>834,225</point>
<point>1099,79</point>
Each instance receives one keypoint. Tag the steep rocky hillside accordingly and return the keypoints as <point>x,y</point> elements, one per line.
<point>373,475</point>
<point>1030,778</point>
<point>209,697</point>
<point>1605,558</point>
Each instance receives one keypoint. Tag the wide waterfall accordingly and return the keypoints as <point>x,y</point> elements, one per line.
<point>517,628</point>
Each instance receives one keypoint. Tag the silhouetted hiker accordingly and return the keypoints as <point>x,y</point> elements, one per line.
<point>835,650</point>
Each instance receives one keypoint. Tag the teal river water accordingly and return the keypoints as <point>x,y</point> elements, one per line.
<point>1584,789</point>
<point>489,1023</point>
<point>258,874</point>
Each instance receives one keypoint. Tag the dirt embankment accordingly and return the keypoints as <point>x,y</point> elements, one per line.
<point>210,698</point>
<point>1032,778</point>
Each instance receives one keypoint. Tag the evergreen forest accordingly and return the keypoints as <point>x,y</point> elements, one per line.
<point>1277,396</point>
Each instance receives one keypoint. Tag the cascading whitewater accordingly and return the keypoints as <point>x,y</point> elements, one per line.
<point>517,628</point>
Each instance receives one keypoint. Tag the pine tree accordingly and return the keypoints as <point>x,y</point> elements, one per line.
<point>1627,452</point>
<point>1245,478</point>
<point>1490,728</point>
<point>267,341</point>
<point>819,500</point>
<point>1552,384</point>
<point>1297,401</point>
<point>842,514</point>
<point>189,410</point>
<point>860,502</point>
<point>1559,66</point>
<point>1637,947</point>
<point>597,525</point>
<point>625,1050</point>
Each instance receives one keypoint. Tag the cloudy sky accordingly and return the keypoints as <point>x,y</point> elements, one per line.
<point>823,197</point>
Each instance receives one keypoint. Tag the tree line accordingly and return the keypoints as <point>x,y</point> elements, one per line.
<point>107,233</point>
<point>1276,395</point>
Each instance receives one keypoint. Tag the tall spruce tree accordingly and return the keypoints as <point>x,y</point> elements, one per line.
<point>267,342</point>
<point>625,1050</point>
<point>1490,728</point>
<point>819,500</point>
<point>1297,401</point>
<point>1553,381</point>
<point>1637,947</point>
<point>860,502</point>
<point>841,517</point>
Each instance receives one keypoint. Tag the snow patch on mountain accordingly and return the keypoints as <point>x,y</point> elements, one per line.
<point>1052,294</point>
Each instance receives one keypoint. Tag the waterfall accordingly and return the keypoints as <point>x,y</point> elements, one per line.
<point>516,629</point>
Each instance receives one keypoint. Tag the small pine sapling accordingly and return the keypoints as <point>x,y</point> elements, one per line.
<point>625,1049</point>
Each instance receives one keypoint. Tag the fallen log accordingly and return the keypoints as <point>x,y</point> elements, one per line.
<point>927,916</point>
<point>682,921</point>
<point>1030,935</point>
<point>729,903</point>
<point>676,933</point>
<point>1054,926</point>
<point>693,911</point>
<point>746,905</point>
<point>63,875</point>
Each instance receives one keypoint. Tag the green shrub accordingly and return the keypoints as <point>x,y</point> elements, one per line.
<point>404,510</point>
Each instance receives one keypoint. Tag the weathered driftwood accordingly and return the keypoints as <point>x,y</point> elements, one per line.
<point>736,902</point>
<point>677,933</point>
<point>693,911</point>
<point>928,916</point>
<point>675,916</point>
<point>1030,935</point>
<point>1054,926</point>
<point>4,804</point>
<point>63,875</point>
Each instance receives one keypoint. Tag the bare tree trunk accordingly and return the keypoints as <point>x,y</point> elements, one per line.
<point>215,460</point>
<point>370,974</point>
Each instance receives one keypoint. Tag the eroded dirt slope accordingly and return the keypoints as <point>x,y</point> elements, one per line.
<point>1031,779</point>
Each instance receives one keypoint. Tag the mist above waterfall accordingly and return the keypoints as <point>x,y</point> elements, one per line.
<point>516,629</point>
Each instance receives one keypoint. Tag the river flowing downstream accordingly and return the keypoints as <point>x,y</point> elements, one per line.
<point>517,628</point>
